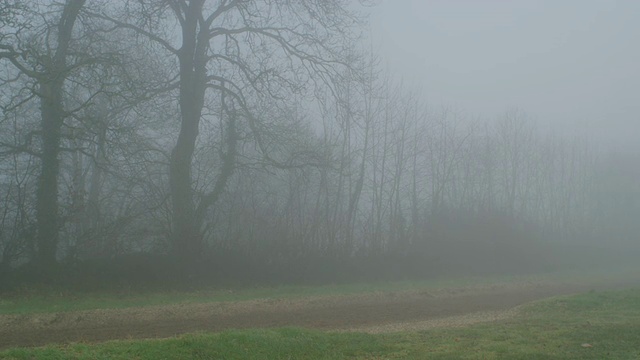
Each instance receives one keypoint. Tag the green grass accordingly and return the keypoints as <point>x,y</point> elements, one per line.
<point>549,329</point>
<point>554,329</point>
<point>50,300</point>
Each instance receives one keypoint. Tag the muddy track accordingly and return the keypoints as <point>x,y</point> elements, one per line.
<point>362,312</point>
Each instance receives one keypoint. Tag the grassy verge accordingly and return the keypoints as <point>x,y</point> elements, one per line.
<point>50,300</point>
<point>552,329</point>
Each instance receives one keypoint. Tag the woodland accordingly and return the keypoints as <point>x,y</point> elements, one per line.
<point>227,141</point>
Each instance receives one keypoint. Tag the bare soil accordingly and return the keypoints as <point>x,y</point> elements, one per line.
<point>370,312</point>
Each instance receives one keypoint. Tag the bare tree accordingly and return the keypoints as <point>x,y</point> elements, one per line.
<point>245,51</point>
<point>47,65</point>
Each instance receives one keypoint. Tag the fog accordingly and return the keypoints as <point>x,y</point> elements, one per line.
<point>570,64</point>
<point>268,142</point>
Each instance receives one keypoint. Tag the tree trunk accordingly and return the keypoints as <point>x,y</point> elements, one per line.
<point>52,111</point>
<point>47,192</point>
<point>186,234</point>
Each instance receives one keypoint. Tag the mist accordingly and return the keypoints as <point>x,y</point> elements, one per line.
<point>316,142</point>
<point>569,64</point>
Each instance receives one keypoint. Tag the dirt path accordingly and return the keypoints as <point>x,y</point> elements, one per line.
<point>373,312</point>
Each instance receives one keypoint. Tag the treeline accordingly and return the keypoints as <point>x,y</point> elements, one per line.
<point>254,139</point>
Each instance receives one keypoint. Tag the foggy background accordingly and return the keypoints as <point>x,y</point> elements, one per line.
<point>572,65</point>
<point>316,141</point>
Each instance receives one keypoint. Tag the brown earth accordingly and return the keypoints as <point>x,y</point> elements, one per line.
<point>371,312</point>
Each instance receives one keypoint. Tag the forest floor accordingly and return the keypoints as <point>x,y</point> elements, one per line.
<point>372,312</point>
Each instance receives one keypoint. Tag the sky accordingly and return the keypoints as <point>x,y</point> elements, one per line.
<point>573,65</point>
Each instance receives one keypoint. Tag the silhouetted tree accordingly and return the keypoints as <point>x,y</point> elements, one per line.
<point>46,63</point>
<point>248,51</point>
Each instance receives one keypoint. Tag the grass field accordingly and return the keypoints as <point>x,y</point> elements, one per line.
<point>46,300</point>
<point>550,329</point>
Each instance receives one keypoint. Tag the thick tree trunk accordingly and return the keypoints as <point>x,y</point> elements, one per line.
<point>51,83</point>
<point>186,237</point>
<point>47,191</point>
<point>186,232</point>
